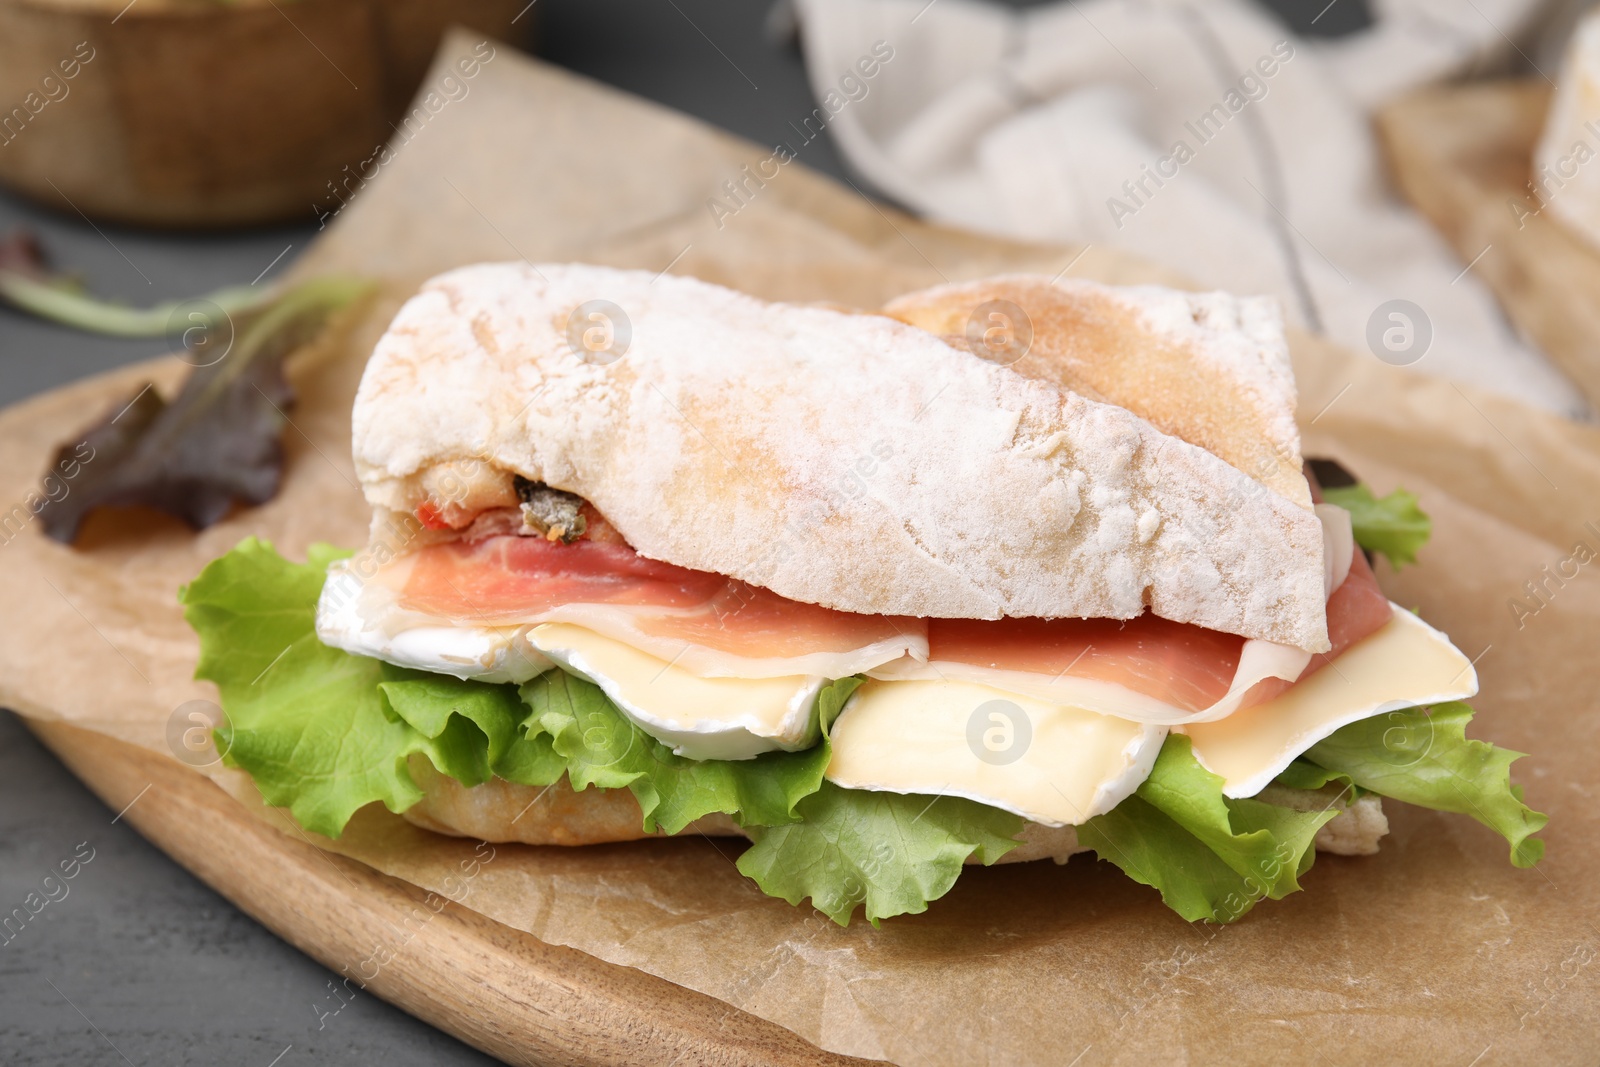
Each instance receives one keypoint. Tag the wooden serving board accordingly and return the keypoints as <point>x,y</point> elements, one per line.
<point>501,990</point>
<point>1463,155</point>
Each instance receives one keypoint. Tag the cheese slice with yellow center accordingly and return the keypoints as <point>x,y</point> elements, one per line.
<point>1051,763</point>
<point>1404,664</point>
<point>701,718</point>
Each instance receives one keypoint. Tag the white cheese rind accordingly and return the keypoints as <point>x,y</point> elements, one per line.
<point>1258,659</point>
<point>1049,763</point>
<point>626,625</point>
<point>701,718</point>
<point>481,653</point>
<point>1404,664</point>
<point>1338,546</point>
<point>364,616</point>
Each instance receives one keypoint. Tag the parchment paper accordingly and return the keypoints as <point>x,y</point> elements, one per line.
<point>1434,951</point>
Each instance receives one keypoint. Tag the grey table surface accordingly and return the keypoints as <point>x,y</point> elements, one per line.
<point>140,963</point>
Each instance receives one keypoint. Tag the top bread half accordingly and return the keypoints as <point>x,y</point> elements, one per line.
<point>1140,454</point>
<point>1208,368</point>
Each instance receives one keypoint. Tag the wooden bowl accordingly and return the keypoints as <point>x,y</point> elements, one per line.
<point>199,113</point>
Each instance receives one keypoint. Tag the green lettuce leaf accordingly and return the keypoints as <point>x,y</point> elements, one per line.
<point>476,729</point>
<point>324,733</point>
<point>841,847</point>
<point>1423,757</point>
<point>1303,774</point>
<point>1210,856</point>
<point>1393,526</point>
<point>892,852</point>
<point>604,748</point>
<point>308,722</point>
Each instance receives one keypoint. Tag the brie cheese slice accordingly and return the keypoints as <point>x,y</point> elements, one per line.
<point>1404,664</point>
<point>701,718</point>
<point>1050,763</point>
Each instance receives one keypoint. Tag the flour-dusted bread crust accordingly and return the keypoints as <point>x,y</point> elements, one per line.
<point>853,461</point>
<point>1209,368</point>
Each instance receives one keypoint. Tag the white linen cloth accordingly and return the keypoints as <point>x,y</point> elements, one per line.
<point>1110,122</point>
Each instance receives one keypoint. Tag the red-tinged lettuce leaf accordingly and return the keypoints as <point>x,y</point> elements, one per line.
<point>21,253</point>
<point>1329,473</point>
<point>217,443</point>
<point>28,284</point>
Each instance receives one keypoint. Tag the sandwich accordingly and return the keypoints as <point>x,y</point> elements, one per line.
<point>1006,570</point>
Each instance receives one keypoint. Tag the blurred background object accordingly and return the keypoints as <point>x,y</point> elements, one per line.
<point>1210,137</point>
<point>1230,140</point>
<point>1562,177</point>
<point>211,112</point>
<point>1557,22</point>
<point>1506,169</point>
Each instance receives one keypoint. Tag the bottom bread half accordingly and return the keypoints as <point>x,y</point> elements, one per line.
<point>502,811</point>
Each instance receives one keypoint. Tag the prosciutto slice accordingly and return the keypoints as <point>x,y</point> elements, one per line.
<point>707,624</point>
<point>511,579</point>
<point>1149,668</point>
